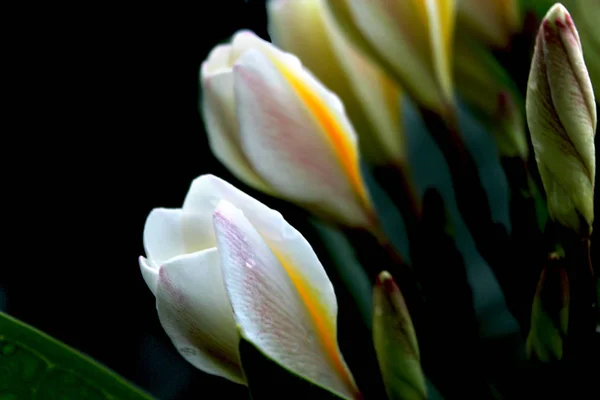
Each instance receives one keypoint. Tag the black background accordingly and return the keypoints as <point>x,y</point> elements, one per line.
<point>108,129</point>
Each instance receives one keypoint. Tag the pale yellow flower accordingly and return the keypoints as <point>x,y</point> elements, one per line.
<point>307,29</point>
<point>412,39</point>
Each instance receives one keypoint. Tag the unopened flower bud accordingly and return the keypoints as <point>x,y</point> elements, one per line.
<point>396,342</point>
<point>280,130</point>
<point>561,114</point>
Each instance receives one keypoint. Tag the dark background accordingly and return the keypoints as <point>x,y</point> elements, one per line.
<point>110,129</point>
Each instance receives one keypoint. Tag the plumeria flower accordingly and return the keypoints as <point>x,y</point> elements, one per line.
<point>412,39</point>
<point>278,129</point>
<point>371,97</point>
<point>225,266</point>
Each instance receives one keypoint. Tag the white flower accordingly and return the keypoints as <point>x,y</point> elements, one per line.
<point>278,129</point>
<point>225,259</point>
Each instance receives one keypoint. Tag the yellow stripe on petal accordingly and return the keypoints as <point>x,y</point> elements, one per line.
<point>441,31</point>
<point>447,21</point>
<point>324,323</point>
<point>345,150</point>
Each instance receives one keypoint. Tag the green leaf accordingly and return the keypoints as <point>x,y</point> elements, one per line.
<point>268,380</point>
<point>35,366</point>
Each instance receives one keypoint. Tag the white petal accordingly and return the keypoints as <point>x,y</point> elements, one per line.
<point>194,311</point>
<point>149,273</point>
<point>218,60</point>
<point>163,236</point>
<point>287,310</point>
<point>207,191</point>
<point>218,112</point>
<point>297,138</point>
<point>245,40</point>
<point>172,232</point>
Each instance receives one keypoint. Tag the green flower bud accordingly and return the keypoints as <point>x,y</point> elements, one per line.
<point>396,343</point>
<point>561,114</point>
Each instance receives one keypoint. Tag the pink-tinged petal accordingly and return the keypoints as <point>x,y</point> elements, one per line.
<point>218,114</point>
<point>149,273</point>
<point>207,192</point>
<point>296,136</point>
<point>289,318</point>
<point>194,311</point>
<point>306,28</point>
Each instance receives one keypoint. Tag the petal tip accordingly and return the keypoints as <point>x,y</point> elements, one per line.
<point>202,179</point>
<point>384,279</point>
<point>224,211</point>
<point>557,11</point>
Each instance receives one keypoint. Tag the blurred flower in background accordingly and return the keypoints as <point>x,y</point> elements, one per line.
<point>411,39</point>
<point>371,98</point>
